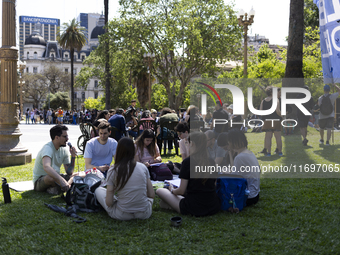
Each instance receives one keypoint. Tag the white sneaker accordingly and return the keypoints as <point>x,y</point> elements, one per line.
<point>321,141</point>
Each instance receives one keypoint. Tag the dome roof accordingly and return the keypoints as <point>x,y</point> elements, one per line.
<point>98,30</point>
<point>35,39</point>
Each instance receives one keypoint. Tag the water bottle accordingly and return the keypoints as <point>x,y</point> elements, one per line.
<point>5,191</point>
<point>246,192</point>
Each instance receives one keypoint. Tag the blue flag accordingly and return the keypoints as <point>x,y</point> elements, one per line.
<point>329,17</point>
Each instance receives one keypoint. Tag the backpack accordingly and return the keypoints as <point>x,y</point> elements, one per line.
<point>326,107</point>
<point>81,194</point>
<point>232,193</point>
<point>160,173</point>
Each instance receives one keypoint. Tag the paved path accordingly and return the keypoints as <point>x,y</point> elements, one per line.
<point>34,136</point>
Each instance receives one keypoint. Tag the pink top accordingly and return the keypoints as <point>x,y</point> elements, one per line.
<point>146,155</point>
<point>147,127</point>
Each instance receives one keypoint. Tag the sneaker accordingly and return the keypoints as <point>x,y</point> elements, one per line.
<point>327,143</point>
<point>321,141</point>
<point>169,151</point>
<point>264,151</point>
<point>277,151</point>
<point>280,154</point>
<point>268,155</point>
<point>304,142</point>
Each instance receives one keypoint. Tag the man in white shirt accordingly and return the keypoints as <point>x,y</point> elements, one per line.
<point>99,151</point>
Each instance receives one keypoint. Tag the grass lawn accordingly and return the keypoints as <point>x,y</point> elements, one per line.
<point>293,216</point>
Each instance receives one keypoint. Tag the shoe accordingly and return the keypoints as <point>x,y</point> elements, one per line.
<point>277,151</point>
<point>321,141</point>
<point>304,142</point>
<point>268,155</point>
<point>327,143</point>
<point>264,151</point>
<point>169,151</point>
<point>280,154</point>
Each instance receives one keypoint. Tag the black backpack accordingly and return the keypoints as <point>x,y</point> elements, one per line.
<point>81,194</point>
<point>326,107</point>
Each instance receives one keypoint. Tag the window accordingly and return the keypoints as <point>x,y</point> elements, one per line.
<point>75,57</point>
<point>27,69</point>
<point>82,58</point>
<point>28,55</point>
<point>35,69</point>
<point>66,70</point>
<point>83,95</point>
<point>52,57</point>
<point>96,84</point>
<point>35,55</point>
<point>66,57</point>
<point>75,71</point>
<point>95,95</point>
<point>75,94</point>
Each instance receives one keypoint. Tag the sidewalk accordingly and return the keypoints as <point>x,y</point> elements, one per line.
<point>35,136</point>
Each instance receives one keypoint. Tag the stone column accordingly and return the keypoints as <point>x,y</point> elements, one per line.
<point>12,152</point>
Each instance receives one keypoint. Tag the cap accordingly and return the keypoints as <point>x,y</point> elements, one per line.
<point>327,88</point>
<point>230,107</point>
<point>133,100</point>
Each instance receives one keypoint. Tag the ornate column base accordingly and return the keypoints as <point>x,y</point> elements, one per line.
<point>12,152</point>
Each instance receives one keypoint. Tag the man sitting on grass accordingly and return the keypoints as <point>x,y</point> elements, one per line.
<point>46,171</point>
<point>99,151</point>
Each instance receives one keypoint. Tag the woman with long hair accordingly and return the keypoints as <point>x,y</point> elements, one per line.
<point>147,151</point>
<point>129,193</point>
<point>201,198</point>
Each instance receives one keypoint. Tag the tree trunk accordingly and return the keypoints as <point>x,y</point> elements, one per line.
<point>295,44</point>
<point>107,59</point>
<point>143,89</point>
<point>72,78</point>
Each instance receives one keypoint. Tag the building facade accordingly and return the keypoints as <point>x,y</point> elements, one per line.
<point>39,53</point>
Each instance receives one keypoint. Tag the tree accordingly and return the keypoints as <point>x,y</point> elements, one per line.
<point>73,37</point>
<point>35,87</point>
<point>294,62</point>
<point>56,78</point>
<point>91,103</point>
<point>188,38</point>
<point>59,99</point>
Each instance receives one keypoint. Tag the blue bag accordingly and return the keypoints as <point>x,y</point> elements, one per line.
<point>232,193</point>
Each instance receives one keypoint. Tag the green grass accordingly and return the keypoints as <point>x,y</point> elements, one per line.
<point>293,216</point>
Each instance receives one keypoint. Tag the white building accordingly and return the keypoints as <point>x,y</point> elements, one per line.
<point>39,53</point>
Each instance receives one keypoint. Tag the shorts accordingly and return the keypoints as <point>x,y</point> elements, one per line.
<point>60,119</point>
<point>271,126</point>
<point>326,123</point>
<point>303,121</point>
<point>40,185</point>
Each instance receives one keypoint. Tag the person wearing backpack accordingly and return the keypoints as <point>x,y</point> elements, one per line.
<point>326,116</point>
<point>129,193</point>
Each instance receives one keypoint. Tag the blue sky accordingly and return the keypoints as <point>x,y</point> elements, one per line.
<point>271,16</point>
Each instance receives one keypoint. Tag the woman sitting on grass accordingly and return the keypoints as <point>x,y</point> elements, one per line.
<point>201,198</point>
<point>147,151</point>
<point>129,194</point>
<point>245,160</point>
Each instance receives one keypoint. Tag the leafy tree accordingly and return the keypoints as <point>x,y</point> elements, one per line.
<point>188,38</point>
<point>91,103</point>
<point>107,59</point>
<point>73,37</point>
<point>59,99</point>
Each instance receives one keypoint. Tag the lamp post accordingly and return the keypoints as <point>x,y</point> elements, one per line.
<point>149,56</point>
<point>245,22</point>
<point>12,152</point>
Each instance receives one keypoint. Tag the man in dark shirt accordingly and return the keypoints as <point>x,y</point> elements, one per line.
<point>132,107</point>
<point>219,113</point>
<point>118,121</point>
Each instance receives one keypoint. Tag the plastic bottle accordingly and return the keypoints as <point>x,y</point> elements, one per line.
<point>5,191</point>
<point>246,192</point>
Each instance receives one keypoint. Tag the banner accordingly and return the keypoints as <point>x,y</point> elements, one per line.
<point>329,18</point>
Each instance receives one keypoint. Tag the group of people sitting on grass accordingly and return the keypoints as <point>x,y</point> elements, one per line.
<point>129,192</point>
